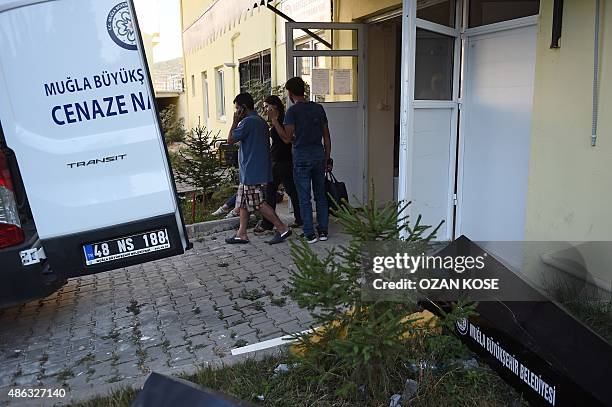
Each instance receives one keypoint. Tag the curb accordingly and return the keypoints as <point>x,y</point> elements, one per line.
<point>212,226</point>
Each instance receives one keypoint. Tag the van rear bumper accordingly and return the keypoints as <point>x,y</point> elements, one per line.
<point>66,256</point>
<point>19,283</point>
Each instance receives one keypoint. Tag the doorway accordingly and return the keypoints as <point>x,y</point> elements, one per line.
<point>329,57</point>
<point>383,109</point>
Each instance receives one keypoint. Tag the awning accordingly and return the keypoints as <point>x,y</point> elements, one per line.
<point>223,15</point>
<point>220,17</point>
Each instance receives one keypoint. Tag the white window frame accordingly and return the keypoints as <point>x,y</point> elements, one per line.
<point>220,93</point>
<point>205,101</point>
<point>193,89</point>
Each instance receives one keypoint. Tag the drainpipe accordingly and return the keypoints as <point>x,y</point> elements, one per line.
<point>233,63</point>
<point>596,76</point>
<point>273,54</point>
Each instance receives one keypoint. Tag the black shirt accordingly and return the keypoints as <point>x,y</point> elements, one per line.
<point>280,151</point>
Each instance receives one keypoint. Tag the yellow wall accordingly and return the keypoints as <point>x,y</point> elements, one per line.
<point>352,10</point>
<point>570,182</point>
<point>193,9</point>
<point>254,34</point>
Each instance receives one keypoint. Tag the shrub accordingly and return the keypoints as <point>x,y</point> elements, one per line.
<point>173,128</point>
<point>198,165</point>
<point>365,344</point>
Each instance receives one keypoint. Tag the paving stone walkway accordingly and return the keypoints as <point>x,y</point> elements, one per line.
<point>170,316</point>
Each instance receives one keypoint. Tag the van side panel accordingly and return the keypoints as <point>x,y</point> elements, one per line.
<point>76,109</point>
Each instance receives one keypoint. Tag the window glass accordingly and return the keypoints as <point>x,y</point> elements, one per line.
<point>337,39</point>
<point>220,94</point>
<point>257,69</point>
<point>332,79</point>
<point>266,68</point>
<point>437,11</point>
<point>434,66</point>
<point>484,12</point>
<point>205,96</point>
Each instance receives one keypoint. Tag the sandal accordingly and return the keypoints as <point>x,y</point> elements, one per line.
<point>260,230</point>
<point>236,240</point>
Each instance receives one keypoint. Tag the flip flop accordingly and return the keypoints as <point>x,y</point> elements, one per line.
<point>236,240</point>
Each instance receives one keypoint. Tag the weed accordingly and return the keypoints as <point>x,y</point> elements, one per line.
<point>279,302</point>
<point>240,343</point>
<point>251,295</point>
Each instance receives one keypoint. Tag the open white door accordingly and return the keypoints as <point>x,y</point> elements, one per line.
<point>331,62</point>
<point>431,53</point>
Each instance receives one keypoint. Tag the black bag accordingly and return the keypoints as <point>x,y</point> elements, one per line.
<point>336,192</point>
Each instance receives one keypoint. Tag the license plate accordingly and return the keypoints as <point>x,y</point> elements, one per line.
<point>122,248</point>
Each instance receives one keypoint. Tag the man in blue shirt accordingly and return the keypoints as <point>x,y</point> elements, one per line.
<point>305,126</point>
<point>252,132</point>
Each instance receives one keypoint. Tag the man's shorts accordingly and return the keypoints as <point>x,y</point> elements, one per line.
<point>250,197</point>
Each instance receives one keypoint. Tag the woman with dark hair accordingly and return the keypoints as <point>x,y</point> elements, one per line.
<point>282,167</point>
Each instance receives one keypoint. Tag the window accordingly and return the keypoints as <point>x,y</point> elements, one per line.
<point>437,11</point>
<point>434,66</point>
<point>256,69</point>
<point>220,85</point>
<point>193,93</point>
<point>484,12</point>
<point>206,111</point>
<point>303,64</point>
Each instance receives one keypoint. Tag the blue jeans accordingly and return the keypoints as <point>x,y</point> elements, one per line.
<point>231,202</point>
<point>305,174</point>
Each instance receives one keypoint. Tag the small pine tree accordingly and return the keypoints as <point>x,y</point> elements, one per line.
<point>364,343</point>
<point>199,164</point>
<point>172,127</point>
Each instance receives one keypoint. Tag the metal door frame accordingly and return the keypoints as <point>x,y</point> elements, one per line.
<point>362,96</point>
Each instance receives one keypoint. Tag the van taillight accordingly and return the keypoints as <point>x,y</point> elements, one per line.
<point>11,233</point>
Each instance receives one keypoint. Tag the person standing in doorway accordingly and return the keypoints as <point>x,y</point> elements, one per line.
<point>252,132</point>
<point>306,126</point>
<point>282,168</point>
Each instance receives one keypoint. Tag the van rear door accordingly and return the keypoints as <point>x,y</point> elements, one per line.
<point>77,109</point>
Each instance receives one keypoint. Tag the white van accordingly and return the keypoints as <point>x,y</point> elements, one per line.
<point>85,181</point>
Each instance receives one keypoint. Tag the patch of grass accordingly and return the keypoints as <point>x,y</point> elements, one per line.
<point>134,307</point>
<point>240,343</point>
<point>118,398</point>
<point>258,306</point>
<point>114,335</point>
<point>297,388</point>
<point>90,357</point>
<point>113,379</point>
<point>587,305</point>
<point>65,375</point>
<point>238,322</point>
<point>251,295</point>
<point>279,302</point>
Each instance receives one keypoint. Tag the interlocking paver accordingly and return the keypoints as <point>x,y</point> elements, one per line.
<point>167,316</point>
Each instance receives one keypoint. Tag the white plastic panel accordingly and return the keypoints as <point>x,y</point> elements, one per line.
<point>96,166</point>
<point>497,135</point>
<point>431,168</point>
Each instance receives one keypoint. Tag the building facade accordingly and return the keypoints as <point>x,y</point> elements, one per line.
<point>230,43</point>
<point>462,107</point>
